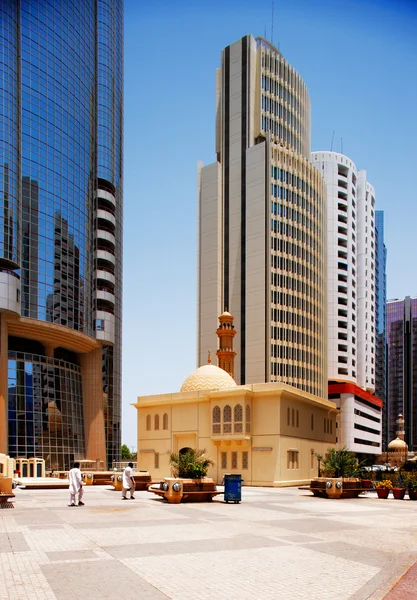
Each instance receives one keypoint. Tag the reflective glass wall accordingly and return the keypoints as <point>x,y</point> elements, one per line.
<point>61,142</point>
<point>45,409</point>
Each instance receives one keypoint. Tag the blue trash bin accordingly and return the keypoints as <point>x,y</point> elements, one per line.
<point>232,488</point>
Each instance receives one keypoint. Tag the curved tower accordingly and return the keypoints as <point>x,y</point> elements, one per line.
<point>262,223</point>
<point>60,229</point>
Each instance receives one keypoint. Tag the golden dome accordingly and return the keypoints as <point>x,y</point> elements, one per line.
<point>207,377</point>
<point>397,445</point>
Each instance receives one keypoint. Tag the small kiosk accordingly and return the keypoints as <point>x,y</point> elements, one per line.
<point>36,467</point>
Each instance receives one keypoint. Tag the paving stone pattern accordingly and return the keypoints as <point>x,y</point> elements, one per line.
<point>278,543</point>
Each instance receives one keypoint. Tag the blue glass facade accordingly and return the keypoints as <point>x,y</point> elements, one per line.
<point>61,204</point>
<point>380,317</point>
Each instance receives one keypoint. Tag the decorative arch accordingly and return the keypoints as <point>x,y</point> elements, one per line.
<point>227,419</point>
<point>148,422</point>
<point>165,421</point>
<point>247,411</point>
<point>216,420</point>
<point>238,419</point>
<point>156,422</point>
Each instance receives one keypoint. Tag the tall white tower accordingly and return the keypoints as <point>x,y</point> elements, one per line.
<point>351,286</point>
<point>262,224</point>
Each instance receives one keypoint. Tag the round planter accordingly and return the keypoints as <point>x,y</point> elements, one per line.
<point>412,494</point>
<point>398,493</point>
<point>382,492</point>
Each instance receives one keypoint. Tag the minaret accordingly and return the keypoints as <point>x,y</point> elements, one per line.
<point>225,354</point>
<point>400,428</point>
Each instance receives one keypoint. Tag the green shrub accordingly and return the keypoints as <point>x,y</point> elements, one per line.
<point>340,463</point>
<point>191,464</point>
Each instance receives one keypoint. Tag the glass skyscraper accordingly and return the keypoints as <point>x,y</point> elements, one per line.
<point>380,319</point>
<point>402,367</point>
<point>61,163</point>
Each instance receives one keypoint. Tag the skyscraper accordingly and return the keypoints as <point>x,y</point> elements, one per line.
<point>61,229</point>
<point>262,224</point>
<point>402,367</point>
<point>352,301</point>
<point>380,320</point>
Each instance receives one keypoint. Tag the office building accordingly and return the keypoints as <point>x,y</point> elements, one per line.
<point>262,224</point>
<point>61,229</point>
<point>402,367</point>
<point>352,301</point>
<point>380,320</point>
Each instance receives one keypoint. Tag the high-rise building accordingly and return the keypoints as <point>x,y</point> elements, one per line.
<point>262,224</point>
<point>352,301</point>
<point>380,320</point>
<point>61,229</point>
<point>402,367</point>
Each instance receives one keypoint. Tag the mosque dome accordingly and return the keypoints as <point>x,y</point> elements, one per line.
<point>208,377</point>
<point>397,445</point>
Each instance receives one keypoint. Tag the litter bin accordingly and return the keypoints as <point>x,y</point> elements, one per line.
<point>232,488</point>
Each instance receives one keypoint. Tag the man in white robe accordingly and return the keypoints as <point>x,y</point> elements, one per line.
<point>128,482</point>
<point>75,485</point>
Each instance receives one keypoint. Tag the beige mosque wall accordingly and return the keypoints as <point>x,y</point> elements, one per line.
<point>286,426</point>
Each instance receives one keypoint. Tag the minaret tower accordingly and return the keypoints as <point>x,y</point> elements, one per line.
<point>225,354</point>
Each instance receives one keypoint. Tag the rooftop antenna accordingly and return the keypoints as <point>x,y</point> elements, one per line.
<point>272,26</point>
<point>331,145</point>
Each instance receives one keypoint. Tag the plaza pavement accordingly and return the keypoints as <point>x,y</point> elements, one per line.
<point>277,544</point>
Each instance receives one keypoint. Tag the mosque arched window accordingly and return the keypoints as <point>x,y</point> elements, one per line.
<point>247,410</point>
<point>238,419</point>
<point>227,419</point>
<point>148,422</point>
<point>156,422</point>
<point>216,420</point>
<point>165,421</point>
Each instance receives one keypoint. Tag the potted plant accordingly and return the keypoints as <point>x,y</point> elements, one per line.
<point>398,487</point>
<point>188,483</point>
<point>383,487</point>
<point>410,482</point>
<point>339,474</point>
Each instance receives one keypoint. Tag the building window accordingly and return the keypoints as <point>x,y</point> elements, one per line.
<point>216,420</point>
<point>156,422</point>
<point>288,416</point>
<point>297,418</point>
<point>165,421</point>
<point>312,458</point>
<point>312,422</point>
<point>234,460</point>
<point>224,460</point>
<point>245,460</point>
<point>148,423</point>
<point>227,419</point>
<point>292,417</point>
<point>238,419</point>
<point>156,460</point>
<point>292,459</point>
<point>247,418</point>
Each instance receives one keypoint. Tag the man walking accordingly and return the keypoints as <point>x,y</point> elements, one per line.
<point>75,485</point>
<point>128,482</point>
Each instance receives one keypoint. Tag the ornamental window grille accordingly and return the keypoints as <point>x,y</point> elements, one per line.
<point>245,460</point>
<point>148,422</point>
<point>156,462</point>
<point>227,419</point>
<point>156,422</point>
<point>216,420</point>
<point>247,410</point>
<point>238,419</point>
<point>165,421</point>
<point>234,460</point>
<point>224,460</point>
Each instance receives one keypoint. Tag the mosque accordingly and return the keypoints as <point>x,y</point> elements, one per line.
<point>268,432</point>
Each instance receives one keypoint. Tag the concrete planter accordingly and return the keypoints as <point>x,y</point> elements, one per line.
<point>176,490</point>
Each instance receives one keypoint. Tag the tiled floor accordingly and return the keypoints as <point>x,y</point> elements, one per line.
<point>278,543</point>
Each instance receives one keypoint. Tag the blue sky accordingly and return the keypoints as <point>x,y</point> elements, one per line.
<point>359,61</point>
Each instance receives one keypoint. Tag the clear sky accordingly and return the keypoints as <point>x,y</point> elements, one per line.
<point>359,61</point>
